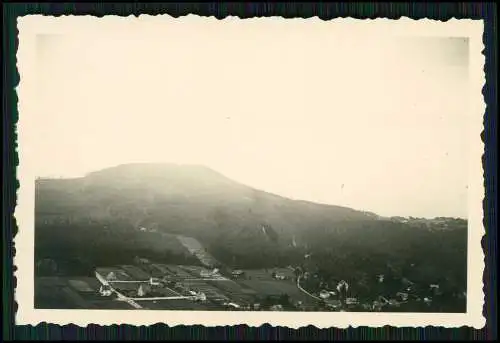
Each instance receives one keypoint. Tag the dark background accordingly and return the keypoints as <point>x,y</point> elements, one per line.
<point>440,11</point>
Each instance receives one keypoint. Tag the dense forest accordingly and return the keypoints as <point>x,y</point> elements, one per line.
<point>78,248</point>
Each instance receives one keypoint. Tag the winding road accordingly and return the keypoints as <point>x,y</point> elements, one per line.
<point>306,292</point>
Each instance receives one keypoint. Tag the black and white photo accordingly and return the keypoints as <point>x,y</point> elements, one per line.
<point>288,170</point>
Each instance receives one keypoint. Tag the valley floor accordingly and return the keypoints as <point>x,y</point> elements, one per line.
<point>153,286</point>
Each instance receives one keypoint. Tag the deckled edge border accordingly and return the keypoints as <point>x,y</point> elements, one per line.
<point>489,106</point>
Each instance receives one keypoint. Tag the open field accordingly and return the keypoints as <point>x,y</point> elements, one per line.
<point>232,287</point>
<point>61,293</point>
<point>83,292</point>
<point>161,269</point>
<point>119,273</point>
<point>135,272</point>
<point>154,270</point>
<point>272,287</point>
<point>178,271</point>
<point>210,291</point>
<point>179,304</point>
<point>262,274</point>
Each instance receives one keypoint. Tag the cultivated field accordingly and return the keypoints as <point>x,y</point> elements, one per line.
<point>135,272</point>
<point>72,293</point>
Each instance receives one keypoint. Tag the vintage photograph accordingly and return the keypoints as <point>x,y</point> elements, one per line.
<point>251,166</point>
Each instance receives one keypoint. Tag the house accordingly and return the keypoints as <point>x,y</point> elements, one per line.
<point>256,306</point>
<point>428,301</point>
<point>142,290</point>
<point>154,281</point>
<point>111,276</point>
<point>435,289</point>
<point>335,304</point>
<point>237,273</point>
<point>342,286</point>
<point>207,273</point>
<point>278,276</point>
<point>105,291</point>
<point>380,278</point>
<point>324,294</point>
<point>141,260</point>
<point>201,296</point>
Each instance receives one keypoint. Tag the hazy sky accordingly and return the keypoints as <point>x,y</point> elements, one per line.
<point>377,125</point>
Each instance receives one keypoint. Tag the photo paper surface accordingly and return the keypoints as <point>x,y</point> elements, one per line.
<point>295,171</point>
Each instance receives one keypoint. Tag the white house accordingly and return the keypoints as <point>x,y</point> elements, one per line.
<point>237,272</point>
<point>105,291</point>
<point>377,305</point>
<point>233,305</point>
<point>142,290</point>
<point>324,294</point>
<point>279,276</point>
<point>201,296</point>
<point>154,281</point>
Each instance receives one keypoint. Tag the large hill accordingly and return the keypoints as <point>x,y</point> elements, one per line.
<point>179,198</point>
<point>113,215</point>
<point>189,200</point>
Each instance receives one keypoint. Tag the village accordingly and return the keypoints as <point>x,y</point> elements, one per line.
<point>148,285</point>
